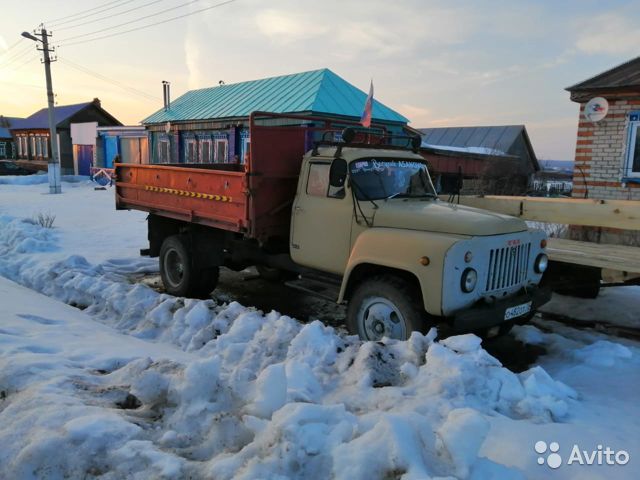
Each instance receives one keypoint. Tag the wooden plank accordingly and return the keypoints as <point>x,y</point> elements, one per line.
<point>622,214</point>
<point>614,257</point>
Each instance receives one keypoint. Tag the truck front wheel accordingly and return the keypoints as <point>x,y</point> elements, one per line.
<point>179,274</point>
<point>384,307</point>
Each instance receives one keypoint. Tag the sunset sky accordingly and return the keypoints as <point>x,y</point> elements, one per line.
<point>440,63</point>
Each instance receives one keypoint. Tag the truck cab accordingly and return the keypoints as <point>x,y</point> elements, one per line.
<point>406,259</point>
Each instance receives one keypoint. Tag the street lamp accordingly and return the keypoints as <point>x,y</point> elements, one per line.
<point>54,160</point>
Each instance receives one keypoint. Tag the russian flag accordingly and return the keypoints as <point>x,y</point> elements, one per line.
<point>365,119</point>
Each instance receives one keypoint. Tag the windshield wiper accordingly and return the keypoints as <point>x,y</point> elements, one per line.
<point>362,193</point>
<point>396,195</point>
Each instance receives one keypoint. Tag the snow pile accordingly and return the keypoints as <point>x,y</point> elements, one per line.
<point>312,407</point>
<point>38,179</point>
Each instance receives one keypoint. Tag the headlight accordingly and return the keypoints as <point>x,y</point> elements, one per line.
<point>541,263</point>
<point>469,280</point>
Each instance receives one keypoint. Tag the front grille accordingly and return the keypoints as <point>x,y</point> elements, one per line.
<point>508,267</point>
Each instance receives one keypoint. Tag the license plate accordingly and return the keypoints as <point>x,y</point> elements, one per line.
<point>517,311</point>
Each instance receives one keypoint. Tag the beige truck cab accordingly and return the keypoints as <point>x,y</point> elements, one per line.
<point>406,259</point>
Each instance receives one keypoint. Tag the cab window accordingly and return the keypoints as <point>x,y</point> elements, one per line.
<point>318,182</point>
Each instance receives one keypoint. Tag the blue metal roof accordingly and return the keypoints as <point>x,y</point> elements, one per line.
<point>316,91</point>
<point>5,124</point>
<point>40,119</point>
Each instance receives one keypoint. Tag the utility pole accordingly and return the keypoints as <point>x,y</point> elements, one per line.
<point>54,159</point>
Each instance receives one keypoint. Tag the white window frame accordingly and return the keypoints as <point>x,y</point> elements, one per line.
<point>45,146</point>
<point>202,142</point>
<point>634,131</point>
<point>187,142</point>
<point>224,141</point>
<point>33,146</point>
<point>25,146</point>
<point>247,150</point>
<point>161,142</point>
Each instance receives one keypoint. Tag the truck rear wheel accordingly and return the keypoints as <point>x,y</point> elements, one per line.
<point>179,275</point>
<point>384,307</point>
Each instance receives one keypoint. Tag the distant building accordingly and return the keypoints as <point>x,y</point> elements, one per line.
<point>608,151</point>
<point>210,125</point>
<point>129,144</point>
<point>554,178</point>
<point>7,145</point>
<point>31,135</point>
<point>493,159</point>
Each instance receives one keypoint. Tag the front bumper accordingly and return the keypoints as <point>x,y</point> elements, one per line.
<point>484,315</point>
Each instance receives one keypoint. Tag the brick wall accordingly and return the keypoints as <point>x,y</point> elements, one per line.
<point>601,150</point>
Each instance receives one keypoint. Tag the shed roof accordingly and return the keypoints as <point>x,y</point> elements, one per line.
<point>622,76</point>
<point>497,138</point>
<point>316,91</point>
<point>487,140</point>
<point>5,124</point>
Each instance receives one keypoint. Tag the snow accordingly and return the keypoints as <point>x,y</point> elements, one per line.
<point>471,149</point>
<point>140,384</point>
<point>618,305</point>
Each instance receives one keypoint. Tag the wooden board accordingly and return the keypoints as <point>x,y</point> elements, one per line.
<point>614,257</point>
<point>622,214</point>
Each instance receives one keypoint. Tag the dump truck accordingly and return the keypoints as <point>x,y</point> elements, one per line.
<point>347,214</point>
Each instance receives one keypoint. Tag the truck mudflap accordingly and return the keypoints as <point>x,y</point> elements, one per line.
<point>484,315</point>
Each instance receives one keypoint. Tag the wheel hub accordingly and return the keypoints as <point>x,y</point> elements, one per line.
<point>380,318</point>
<point>174,267</point>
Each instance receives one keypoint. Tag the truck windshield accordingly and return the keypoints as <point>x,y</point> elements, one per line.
<point>385,178</point>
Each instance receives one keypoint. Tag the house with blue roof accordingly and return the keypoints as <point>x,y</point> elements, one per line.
<point>211,125</point>
<point>31,134</point>
<point>7,146</point>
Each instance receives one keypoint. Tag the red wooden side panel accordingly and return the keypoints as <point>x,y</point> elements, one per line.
<point>209,197</point>
<point>275,160</point>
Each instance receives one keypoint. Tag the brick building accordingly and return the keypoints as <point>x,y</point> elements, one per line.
<point>607,161</point>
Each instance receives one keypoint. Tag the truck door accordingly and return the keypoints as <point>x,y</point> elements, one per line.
<point>321,222</point>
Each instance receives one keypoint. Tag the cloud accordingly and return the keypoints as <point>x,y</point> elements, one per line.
<point>609,33</point>
<point>193,62</point>
<point>286,27</point>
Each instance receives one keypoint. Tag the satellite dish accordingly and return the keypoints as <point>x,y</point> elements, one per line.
<point>596,109</point>
<point>167,127</point>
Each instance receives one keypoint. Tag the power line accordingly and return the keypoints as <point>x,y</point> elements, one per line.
<point>16,58</point>
<point>83,11</point>
<point>129,22</point>
<point>15,69</point>
<point>122,3</point>
<point>127,88</point>
<point>17,54</point>
<point>110,16</point>
<point>13,45</point>
<point>150,25</point>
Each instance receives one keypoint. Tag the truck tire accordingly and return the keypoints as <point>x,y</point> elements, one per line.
<point>384,307</point>
<point>179,275</point>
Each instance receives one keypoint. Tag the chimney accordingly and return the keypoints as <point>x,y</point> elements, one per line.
<point>166,95</point>
<point>96,102</point>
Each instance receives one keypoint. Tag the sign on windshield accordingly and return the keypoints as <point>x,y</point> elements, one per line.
<point>376,179</point>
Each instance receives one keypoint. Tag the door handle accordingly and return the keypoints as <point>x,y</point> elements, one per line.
<point>299,209</point>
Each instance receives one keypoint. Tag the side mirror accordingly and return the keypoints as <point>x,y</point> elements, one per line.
<point>338,172</point>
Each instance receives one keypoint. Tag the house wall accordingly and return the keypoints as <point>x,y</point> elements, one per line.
<point>601,151</point>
